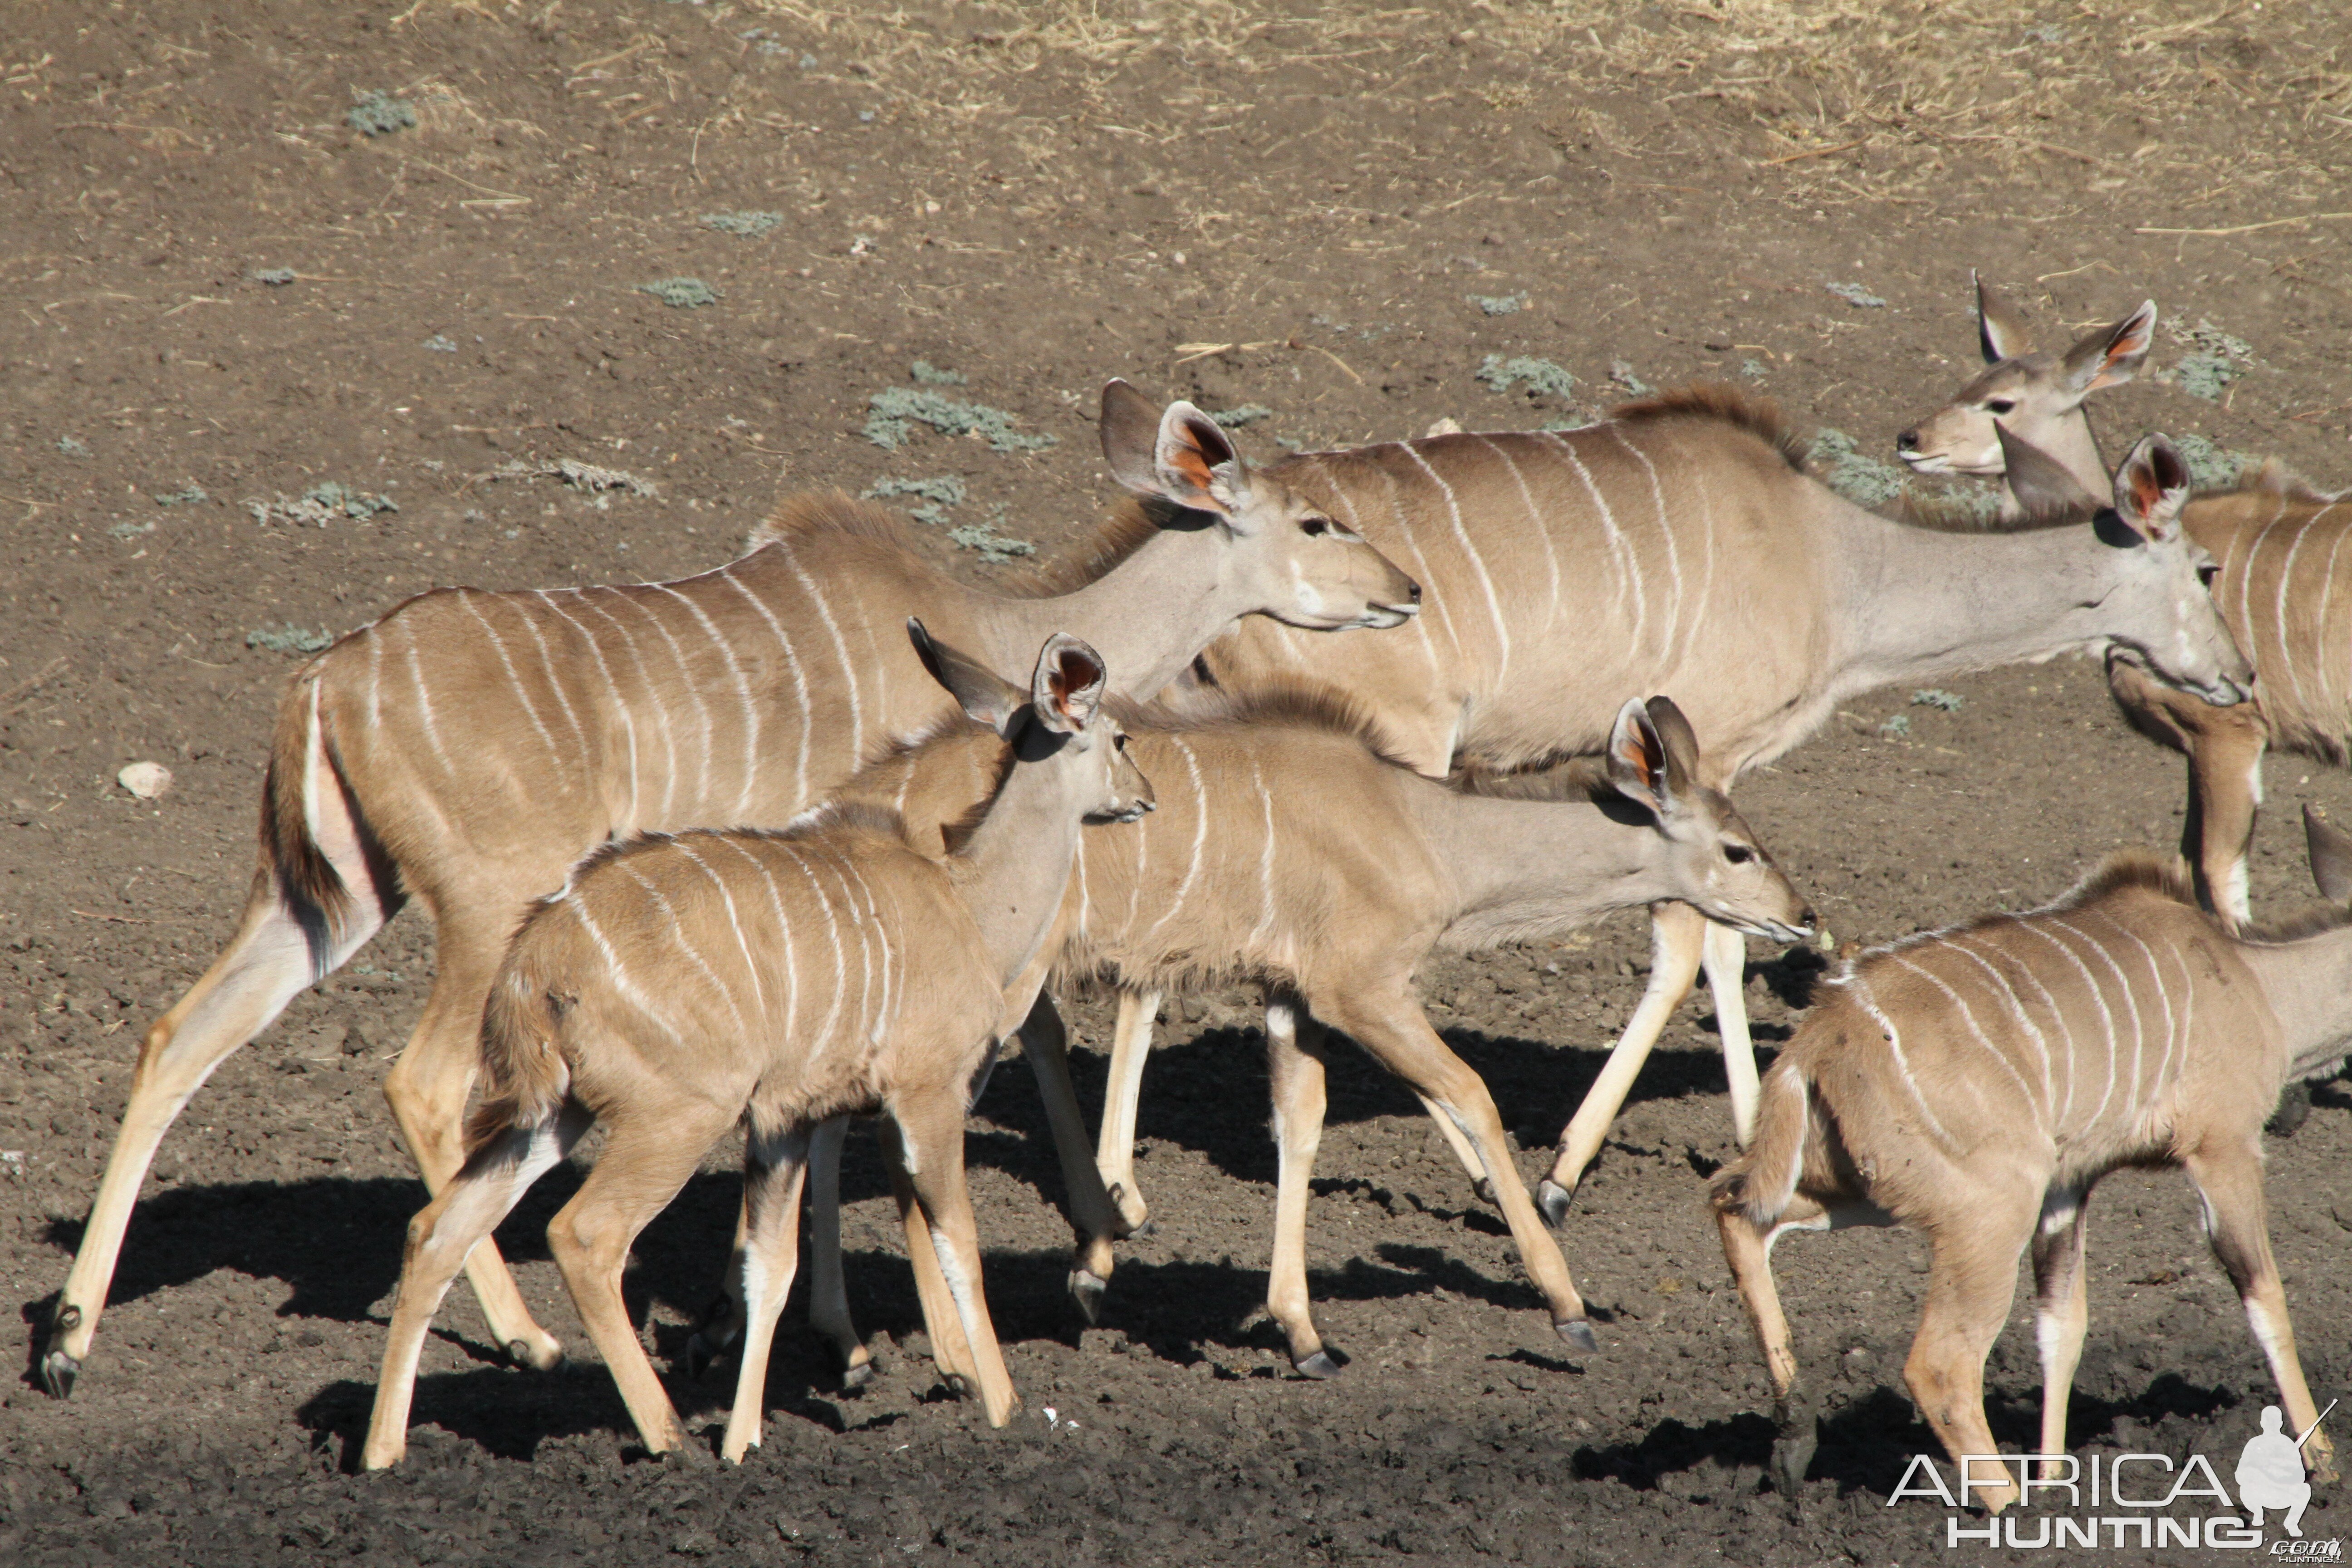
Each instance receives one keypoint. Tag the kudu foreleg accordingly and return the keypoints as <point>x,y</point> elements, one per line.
<point>1131,1047</point>
<point>1677,941</point>
<point>1971,1282</point>
<point>1749,1254</point>
<point>932,1127</point>
<point>772,1169</point>
<point>828,1288</point>
<point>1295,1073</point>
<point>1046,1044</point>
<point>2061,1310</point>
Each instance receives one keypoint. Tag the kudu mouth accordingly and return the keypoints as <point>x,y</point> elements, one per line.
<point>1774,931</point>
<point>1381,617</point>
<point>2225,692</point>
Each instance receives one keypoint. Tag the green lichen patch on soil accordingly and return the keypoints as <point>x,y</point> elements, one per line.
<point>893,413</point>
<point>680,293</point>
<point>743,225</point>
<point>1540,376</point>
<point>1854,474</point>
<point>322,504</point>
<point>287,639</point>
<point>379,114</point>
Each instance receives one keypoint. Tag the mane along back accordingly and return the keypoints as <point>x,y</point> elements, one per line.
<point>832,511</point>
<point>1130,526</point>
<point>1724,405</point>
<point>1283,701</point>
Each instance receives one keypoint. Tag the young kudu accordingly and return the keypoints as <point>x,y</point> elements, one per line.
<point>470,746</point>
<point>681,983</point>
<point>1975,1083</point>
<point>2275,543</point>
<point>1681,546</point>
<point>1290,848</point>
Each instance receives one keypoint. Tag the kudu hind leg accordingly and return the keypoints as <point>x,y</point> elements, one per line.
<point>1293,1051</point>
<point>932,1126</point>
<point>1045,1043</point>
<point>265,965</point>
<point>1677,939</point>
<point>1971,1282</point>
<point>950,1351</point>
<point>1130,1049</point>
<point>2237,1223</point>
<point>467,1209</point>
<point>426,1089</point>
<point>772,1168</point>
<point>1748,1253</point>
<point>829,1312</point>
<point>2062,1312</point>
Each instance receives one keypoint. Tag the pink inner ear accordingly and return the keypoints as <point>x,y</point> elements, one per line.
<point>1189,462</point>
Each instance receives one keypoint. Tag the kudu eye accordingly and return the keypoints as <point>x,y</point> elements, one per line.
<point>1315,527</point>
<point>1738,854</point>
<point>2208,572</point>
<point>2001,405</point>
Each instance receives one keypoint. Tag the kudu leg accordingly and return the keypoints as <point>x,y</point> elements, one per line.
<point>467,1209</point>
<point>2238,1225</point>
<point>1726,953</point>
<point>2062,1309</point>
<point>828,1288</point>
<point>1388,1023</point>
<point>1130,1047</point>
<point>1677,938</point>
<point>932,1127</point>
<point>951,1352</point>
<point>1046,1046</point>
<point>647,1158</point>
<point>1748,1252</point>
<point>1464,1150</point>
<point>1971,1282</point>
<point>263,967</point>
<point>1294,1053</point>
<point>772,1168</point>
<point>426,1089</point>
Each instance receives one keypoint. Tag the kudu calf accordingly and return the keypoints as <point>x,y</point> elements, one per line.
<point>470,746</point>
<point>1682,547</point>
<point>2275,544</point>
<point>1292,849</point>
<point>1977,1082</point>
<point>681,983</point>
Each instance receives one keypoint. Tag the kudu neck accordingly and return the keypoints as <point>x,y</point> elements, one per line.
<point>1147,617</point>
<point>2308,983</point>
<point>1013,867</point>
<point>1921,604</point>
<point>1518,867</point>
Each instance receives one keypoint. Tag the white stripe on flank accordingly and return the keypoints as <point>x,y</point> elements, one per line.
<point>799,684</point>
<point>1536,525</point>
<point>693,954</point>
<point>783,933</point>
<point>1143,836</point>
<point>1478,562</point>
<point>1625,554</point>
<point>1969,1015</point>
<point>2286,651</point>
<point>620,704</point>
<point>668,760</point>
<point>860,920</point>
<point>425,702</point>
<point>1085,899</point>
<point>840,960</point>
<point>514,677</point>
<point>1199,839</point>
<point>1265,926</point>
<point>2099,999</point>
<point>1431,597</point>
<point>841,651</point>
<point>2246,581</point>
<point>1338,493</point>
<point>627,987</point>
<point>693,688</point>
<point>881,929</point>
<point>2040,1043</point>
<point>2155,977</point>
<point>2140,1030</point>
<point>734,918</point>
<point>375,678</point>
<point>1858,989</point>
<point>554,681</point>
<point>742,696</point>
<point>1665,531</point>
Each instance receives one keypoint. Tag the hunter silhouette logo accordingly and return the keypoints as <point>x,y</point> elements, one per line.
<point>2159,1501</point>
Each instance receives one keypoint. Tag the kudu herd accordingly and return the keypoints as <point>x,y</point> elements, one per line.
<point>727,852</point>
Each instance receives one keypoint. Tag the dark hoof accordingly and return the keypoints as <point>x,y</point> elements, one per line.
<point>1554,1200</point>
<point>1087,1289</point>
<point>1148,1227</point>
<point>1320,1366</point>
<point>1485,1191</point>
<point>1792,1456</point>
<point>1579,1335</point>
<point>693,1454</point>
<point>59,1371</point>
<point>854,1379</point>
<point>960,1385</point>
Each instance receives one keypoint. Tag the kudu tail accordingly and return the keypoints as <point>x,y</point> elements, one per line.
<point>1762,1183</point>
<point>524,1077</point>
<point>301,772</point>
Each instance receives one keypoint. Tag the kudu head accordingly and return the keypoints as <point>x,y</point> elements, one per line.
<point>2037,396</point>
<point>1305,569</point>
<point>1059,721</point>
<point>2156,605</point>
<point>1712,861</point>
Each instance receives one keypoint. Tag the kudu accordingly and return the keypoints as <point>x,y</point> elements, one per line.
<point>681,983</point>
<point>2275,543</point>
<point>1977,1082</point>
<point>1682,547</point>
<point>1293,850</point>
<point>468,747</point>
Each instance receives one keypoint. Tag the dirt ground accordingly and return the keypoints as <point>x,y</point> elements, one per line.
<point>1334,213</point>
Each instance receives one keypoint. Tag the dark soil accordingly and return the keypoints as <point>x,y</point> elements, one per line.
<point>1037,201</point>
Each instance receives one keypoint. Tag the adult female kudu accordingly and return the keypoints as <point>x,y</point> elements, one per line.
<point>1978,1083</point>
<point>1682,547</point>
<point>679,984</point>
<point>2277,545</point>
<point>471,745</point>
<point>1293,850</point>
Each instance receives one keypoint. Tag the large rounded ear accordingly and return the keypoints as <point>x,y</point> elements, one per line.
<point>1130,436</point>
<point>2001,331</point>
<point>2041,483</point>
<point>2331,857</point>
<point>2111,356</point>
<point>2151,488</point>
<point>1196,463</point>
<point>1067,689</point>
<point>986,697</point>
<point>1639,764</point>
<point>1681,741</point>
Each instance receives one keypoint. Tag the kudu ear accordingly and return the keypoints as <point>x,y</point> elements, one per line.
<point>1682,743</point>
<point>1641,764</point>
<point>2331,857</point>
<point>1181,454</point>
<point>1067,689</point>
<point>986,697</point>
<point>1131,434</point>
<point>2151,488</point>
<point>2111,356</point>
<point>2040,482</point>
<point>2001,332</point>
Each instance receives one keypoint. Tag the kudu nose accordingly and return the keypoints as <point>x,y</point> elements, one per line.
<point>1807,920</point>
<point>1907,442</point>
<point>1416,595</point>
